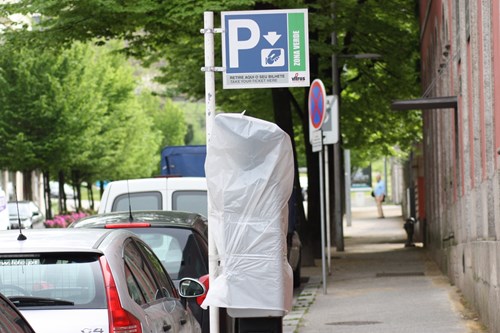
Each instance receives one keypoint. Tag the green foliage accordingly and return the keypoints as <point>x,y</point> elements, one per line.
<point>368,86</point>
<point>194,114</point>
<point>168,32</point>
<point>73,110</point>
<point>167,118</point>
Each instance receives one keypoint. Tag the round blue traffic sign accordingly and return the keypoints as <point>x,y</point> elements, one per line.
<point>317,104</point>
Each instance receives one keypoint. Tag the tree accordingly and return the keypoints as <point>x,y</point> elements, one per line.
<point>167,118</point>
<point>74,112</point>
<point>169,31</point>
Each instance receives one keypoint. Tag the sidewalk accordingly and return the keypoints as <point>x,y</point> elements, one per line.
<point>378,286</point>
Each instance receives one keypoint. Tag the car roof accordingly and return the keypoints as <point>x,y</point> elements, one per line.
<point>186,183</point>
<point>157,218</point>
<point>53,240</point>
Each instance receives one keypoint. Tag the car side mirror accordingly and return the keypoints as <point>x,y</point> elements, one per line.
<point>191,288</point>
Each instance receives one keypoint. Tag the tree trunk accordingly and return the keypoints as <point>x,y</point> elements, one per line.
<point>311,233</point>
<point>101,188</point>
<point>62,193</point>
<point>283,118</point>
<point>46,191</point>
<point>77,193</point>
<point>27,188</point>
<point>91,195</point>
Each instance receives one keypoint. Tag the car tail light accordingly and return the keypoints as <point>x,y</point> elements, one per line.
<point>120,320</point>
<point>205,281</point>
<point>127,225</point>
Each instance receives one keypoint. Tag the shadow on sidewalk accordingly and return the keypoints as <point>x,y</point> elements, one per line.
<point>376,280</point>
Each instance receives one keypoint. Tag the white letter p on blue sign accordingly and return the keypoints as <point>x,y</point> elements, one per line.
<point>251,42</point>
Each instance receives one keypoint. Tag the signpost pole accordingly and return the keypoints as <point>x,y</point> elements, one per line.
<point>208,30</point>
<point>331,136</point>
<point>327,212</point>
<point>322,215</point>
<point>209,71</point>
<point>347,172</point>
<point>317,109</point>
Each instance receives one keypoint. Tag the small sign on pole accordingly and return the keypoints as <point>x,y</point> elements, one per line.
<point>316,141</point>
<point>330,126</point>
<point>317,107</point>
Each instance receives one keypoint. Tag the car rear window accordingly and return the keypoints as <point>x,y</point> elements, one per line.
<point>72,277</point>
<point>180,250</point>
<point>190,201</point>
<point>138,201</point>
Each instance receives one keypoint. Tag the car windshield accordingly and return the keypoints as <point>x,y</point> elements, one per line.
<point>41,280</point>
<point>24,209</point>
<point>179,250</point>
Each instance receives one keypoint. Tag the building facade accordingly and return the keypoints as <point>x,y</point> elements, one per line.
<point>460,164</point>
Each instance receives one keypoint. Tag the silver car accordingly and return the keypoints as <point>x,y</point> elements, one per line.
<point>26,212</point>
<point>91,281</point>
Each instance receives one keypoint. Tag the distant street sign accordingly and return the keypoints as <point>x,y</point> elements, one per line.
<point>265,49</point>
<point>330,125</point>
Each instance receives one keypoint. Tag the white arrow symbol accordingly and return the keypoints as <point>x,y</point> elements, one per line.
<point>272,37</point>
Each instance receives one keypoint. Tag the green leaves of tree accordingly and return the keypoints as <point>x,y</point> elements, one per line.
<point>169,31</point>
<point>74,109</point>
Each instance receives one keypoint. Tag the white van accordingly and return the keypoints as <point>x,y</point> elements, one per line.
<point>4,211</point>
<point>176,193</point>
<point>169,193</point>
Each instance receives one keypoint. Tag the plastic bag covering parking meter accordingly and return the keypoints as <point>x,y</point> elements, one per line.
<point>249,169</point>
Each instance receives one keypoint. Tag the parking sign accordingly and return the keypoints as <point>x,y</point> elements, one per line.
<point>265,49</point>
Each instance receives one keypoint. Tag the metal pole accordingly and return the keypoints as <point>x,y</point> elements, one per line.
<point>322,208</point>
<point>385,176</point>
<point>208,26</point>
<point>209,72</point>
<point>327,209</point>
<point>347,168</point>
<point>339,234</point>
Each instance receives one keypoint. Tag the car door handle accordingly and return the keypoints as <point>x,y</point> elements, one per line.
<point>183,321</point>
<point>166,327</point>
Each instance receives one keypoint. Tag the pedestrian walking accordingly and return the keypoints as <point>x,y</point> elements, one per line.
<point>379,195</point>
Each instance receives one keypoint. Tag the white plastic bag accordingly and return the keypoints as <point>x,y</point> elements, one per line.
<point>249,169</point>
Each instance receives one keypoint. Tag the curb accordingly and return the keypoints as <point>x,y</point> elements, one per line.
<point>301,304</point>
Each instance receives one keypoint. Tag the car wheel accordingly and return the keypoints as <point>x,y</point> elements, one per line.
<point>296,273</point>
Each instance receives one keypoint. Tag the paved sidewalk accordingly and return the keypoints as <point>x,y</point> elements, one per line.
<point>378,286</point>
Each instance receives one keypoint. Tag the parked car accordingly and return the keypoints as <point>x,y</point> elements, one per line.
<point>27,212</point>
<point>179,239</point>
<point>54,190</point>
<point>11,319</point>
<point>180,194</point>
<point>4,212</point>
<point>89,280</point>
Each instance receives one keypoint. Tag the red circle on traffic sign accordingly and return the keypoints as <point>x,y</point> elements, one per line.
<point>317,104</point>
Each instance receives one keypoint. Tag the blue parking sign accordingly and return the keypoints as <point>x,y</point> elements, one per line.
<point>265,49</point>
<point>249,52</point>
